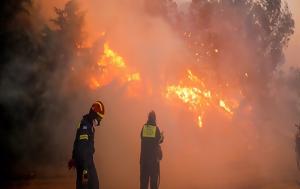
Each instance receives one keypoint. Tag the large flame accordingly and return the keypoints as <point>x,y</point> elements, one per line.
<point>111,66</point>
<point>191,90</point>
<point>194,93</point>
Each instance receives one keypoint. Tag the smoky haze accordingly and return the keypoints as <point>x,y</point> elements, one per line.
<point>252,149</point>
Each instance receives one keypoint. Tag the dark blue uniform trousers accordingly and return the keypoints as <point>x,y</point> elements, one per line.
<point>149,172</point>
<point>93,182</point>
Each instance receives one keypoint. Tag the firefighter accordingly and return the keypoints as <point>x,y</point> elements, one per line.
<point>83,148</point>
<point>151,153</point>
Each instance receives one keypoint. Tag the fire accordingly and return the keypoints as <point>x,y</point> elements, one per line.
<point>200,121</point>
<point>225,107</point>
<point>94,83</point>
<point>111,66</point>
<point>133,77</point>
<point>110,57</point>
<point>193,92</point>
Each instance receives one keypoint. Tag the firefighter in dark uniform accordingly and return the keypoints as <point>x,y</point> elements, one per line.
<point>83,148</point>
<point>151,153</point>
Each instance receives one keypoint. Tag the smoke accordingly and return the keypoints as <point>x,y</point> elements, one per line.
<point>160,40</point>
<point>245,151</point>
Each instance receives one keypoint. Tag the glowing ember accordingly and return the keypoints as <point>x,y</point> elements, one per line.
<point>200,124</point>
<point>225,107</point>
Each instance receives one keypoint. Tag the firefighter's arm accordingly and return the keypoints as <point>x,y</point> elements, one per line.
<point>75,144</point>
<point>162,137</point>
<point>87,156</point>
<point>159,136</point>
<point>71,162</point>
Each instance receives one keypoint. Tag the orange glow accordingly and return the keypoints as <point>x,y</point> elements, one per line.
<point>94,84</point>
<point>133,77</point>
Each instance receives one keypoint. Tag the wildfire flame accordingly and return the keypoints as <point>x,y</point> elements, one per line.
<point>111,66</point>
<point>196,96</point>
<point>111,58</point>
<point>191,90</point>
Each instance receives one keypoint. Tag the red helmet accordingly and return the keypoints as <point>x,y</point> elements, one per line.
<point>98,107</point>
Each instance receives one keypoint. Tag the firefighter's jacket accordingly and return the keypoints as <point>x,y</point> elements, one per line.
<point>83,148</point>
<point>150,144</point>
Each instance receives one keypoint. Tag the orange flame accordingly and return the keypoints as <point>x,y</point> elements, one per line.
<point>111,58</point>
<point>111,67</point>
<point>196,96</point>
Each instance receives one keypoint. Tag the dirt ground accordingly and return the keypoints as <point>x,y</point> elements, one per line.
<point>68,183</point>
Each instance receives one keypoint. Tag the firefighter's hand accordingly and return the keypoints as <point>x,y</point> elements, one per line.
<point>162,137</point>
<point>71,164</point>
<point>85,177</point>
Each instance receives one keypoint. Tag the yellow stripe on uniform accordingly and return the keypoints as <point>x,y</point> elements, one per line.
<point>83,137</point>
<point>149,131</point>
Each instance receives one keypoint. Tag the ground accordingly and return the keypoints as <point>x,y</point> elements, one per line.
<point>68,183</point>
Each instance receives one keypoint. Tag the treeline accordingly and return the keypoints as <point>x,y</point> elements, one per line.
<point>34,61</point>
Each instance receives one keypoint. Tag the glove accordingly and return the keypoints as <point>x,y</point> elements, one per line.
<point>71,164</point>
<point>84,177</point>
<point>162,137</point>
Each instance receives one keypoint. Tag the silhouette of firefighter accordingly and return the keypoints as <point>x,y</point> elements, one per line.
<point>151,153</point>
<point>83,148</point>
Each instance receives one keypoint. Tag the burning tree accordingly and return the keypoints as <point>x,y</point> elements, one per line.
<point>237,47</point>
